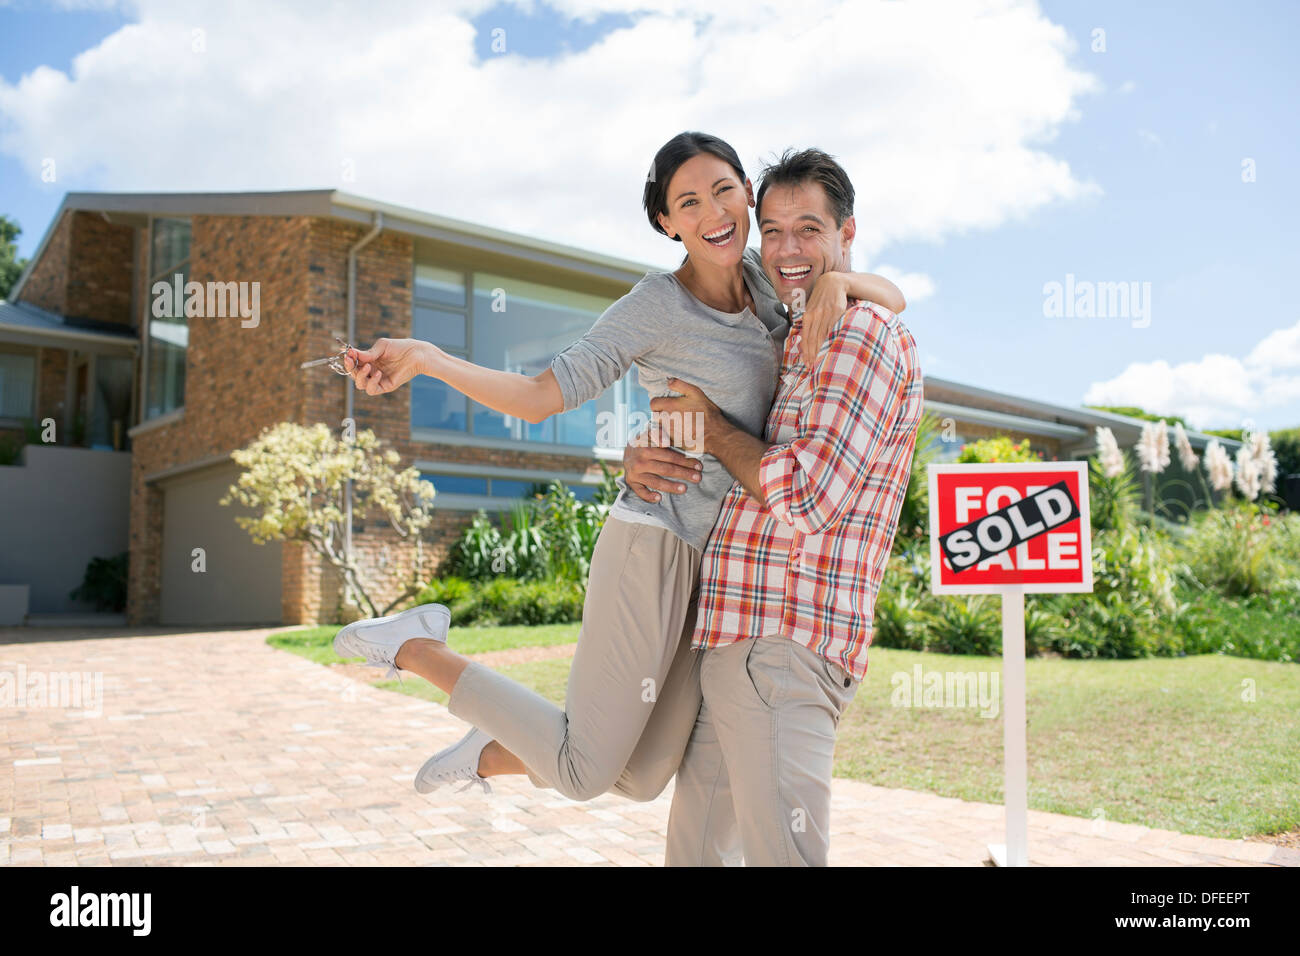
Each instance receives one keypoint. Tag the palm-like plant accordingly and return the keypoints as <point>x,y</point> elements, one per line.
<point>1113,499</point>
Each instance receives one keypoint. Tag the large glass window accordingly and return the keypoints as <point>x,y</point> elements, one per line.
<point>499,487</point>
<point>440,315</point>
<point>517,326</point>
<point>17,385</point>
<point>169,333</point>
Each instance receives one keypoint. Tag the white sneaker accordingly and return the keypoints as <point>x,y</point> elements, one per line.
<point>457,762</point>
<point>378,639</point>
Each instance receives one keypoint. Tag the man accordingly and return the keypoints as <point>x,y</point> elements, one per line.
<point>789,576</point>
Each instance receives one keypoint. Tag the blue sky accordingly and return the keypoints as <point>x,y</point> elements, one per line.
<point>1154,143</point>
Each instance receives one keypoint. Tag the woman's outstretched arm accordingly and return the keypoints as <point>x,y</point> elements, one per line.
<point>390,363</point>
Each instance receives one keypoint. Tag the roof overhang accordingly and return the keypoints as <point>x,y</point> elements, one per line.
<point>1126,429</point>
<point>1021,424</point>
<point>136,209</point>
<point>24,324</point>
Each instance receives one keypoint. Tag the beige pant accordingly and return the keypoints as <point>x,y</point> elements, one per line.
<point>756,776</point>
<point>634,689</point>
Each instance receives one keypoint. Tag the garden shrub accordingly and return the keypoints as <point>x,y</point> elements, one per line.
<point>548,535</point>
<point>506,601</point>
<point>1000,449</point>
<point>966,624</point>
<point>1242,549</point>
<point>900,619</point>
<point>104,584</point>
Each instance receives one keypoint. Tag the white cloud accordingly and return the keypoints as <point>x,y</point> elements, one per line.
<point>914,285</point>
<point>1215,391</point>
<point>942,112</point>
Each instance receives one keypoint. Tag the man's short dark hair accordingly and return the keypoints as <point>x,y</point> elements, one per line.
<point>810,166</point>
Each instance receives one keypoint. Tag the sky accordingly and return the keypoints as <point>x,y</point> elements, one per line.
<point>1083,202</point>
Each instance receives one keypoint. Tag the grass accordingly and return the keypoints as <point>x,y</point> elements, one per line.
<point>316,643</point>
<point>1164,742</point>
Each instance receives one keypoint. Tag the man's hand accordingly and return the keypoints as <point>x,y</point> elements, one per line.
<point>829,300</point>
<point>388,364</point>
<point>647,467</point>
<point>690,421</point>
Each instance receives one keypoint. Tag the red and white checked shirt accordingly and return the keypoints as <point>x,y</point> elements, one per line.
<point>807,562</point>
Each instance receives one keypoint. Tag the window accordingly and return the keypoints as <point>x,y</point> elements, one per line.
<point>456,484</point>
<point>169,332</point>
<point>517,326</point>
<point>111,406</point>
<point>493,487</point>
<point>17,385</point>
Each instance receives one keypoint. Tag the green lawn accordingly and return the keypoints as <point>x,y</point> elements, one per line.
<point>1165,742</point>
<point>316,643</point>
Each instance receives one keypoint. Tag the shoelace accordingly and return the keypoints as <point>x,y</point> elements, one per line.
<point>487,787</point>
<point>470,777</point>
<point>393,670</point>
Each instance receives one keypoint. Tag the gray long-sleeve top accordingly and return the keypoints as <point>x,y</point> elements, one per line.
<point>665,331</point>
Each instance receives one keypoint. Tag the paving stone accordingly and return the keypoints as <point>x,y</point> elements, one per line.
<point>274,765</point>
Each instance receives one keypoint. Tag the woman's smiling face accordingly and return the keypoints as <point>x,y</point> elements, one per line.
<point>708,209</point>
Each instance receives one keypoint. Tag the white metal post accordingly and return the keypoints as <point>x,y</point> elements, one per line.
<point>1016,775</point>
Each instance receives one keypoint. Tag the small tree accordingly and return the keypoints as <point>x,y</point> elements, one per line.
<point>11,267</point>
<point>296,478</point>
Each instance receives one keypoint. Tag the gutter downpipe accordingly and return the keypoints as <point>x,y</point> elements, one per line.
<point>350,395</point>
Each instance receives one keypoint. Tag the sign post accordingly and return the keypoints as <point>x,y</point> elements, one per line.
<point>1012,530</point>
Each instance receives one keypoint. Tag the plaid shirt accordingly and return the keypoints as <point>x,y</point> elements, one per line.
<point>808,562</point>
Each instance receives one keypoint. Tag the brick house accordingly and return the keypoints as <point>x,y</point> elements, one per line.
<point>149,407</point>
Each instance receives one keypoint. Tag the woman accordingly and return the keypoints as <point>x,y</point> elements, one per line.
<point>633,690</point>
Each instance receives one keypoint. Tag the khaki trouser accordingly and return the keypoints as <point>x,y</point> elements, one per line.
<point>756,776</point>
<point>634,689</point>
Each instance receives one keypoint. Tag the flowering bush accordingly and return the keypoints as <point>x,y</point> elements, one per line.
<point>998,449</point>
<point>295,478</point>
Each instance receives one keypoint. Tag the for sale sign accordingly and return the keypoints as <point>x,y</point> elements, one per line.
<point>997,527</point>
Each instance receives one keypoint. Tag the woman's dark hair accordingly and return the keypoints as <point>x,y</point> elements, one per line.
<point>669,159</point>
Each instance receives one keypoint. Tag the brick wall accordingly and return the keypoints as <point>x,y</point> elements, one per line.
<point>85,270</point>
<point>99,270</point>
<point>52,391</point>
<point>240,381</point>
<point>47,284</point>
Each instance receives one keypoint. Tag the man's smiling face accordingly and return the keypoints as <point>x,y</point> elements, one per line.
<point>800,241</point>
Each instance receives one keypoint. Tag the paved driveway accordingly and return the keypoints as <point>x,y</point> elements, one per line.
<point>215,748</point>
